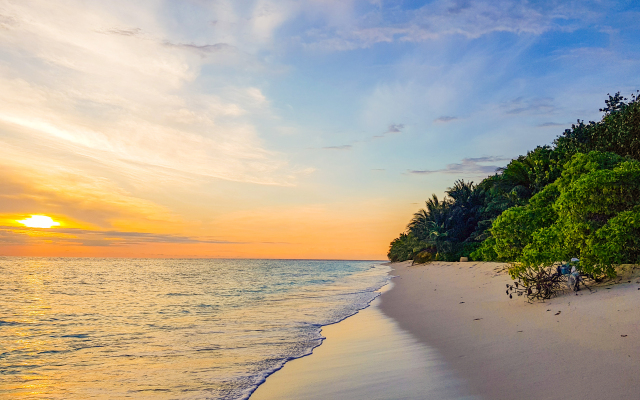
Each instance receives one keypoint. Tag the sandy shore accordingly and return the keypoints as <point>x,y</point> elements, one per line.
<point>449,331</point>
<point>367,356</point>
<point>584,346</point>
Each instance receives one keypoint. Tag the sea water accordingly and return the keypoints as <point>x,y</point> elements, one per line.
<point>166,328</point>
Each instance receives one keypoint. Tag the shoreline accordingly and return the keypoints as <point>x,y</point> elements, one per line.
<point>362,357</point>
<point>448,331</point>
<point>574,346</point>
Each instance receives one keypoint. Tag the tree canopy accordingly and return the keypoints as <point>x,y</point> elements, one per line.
<point>579,197</point>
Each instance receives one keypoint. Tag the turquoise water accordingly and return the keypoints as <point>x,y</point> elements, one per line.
<point>148,328</point>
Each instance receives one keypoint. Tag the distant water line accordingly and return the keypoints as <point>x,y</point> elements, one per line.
<point>192,328</point>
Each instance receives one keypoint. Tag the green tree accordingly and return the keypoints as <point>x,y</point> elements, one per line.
<point>596,197</point>
<point>405,247</point>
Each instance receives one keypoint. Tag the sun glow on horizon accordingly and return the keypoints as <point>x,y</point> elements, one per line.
<point>39,221</point>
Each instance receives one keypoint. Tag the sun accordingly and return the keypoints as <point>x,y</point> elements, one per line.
<point>39,221</point>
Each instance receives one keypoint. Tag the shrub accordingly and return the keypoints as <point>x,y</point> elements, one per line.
<point>597,219</point>
<point>423,257</point>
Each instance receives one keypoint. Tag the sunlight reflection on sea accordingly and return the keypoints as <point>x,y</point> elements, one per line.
<point>107,328</point>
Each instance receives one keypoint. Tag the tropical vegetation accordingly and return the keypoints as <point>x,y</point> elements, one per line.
<point>579,197</point>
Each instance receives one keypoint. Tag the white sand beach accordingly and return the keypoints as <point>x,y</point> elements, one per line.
<point>584,346</point>
<point>476,342</point>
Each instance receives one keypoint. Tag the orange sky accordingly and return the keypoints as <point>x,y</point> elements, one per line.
<point>161,214</point>
<point>99,219</point>
<point>311,232</point>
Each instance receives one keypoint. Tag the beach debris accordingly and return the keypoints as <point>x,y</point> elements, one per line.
<point>564,269</point>
<point>539,285</point>
<point>462,302</point>
<point>558,313</point>
<point>477,319</point>
<point>623,335</point>
<point>546,282</point>
<point>573,281</point>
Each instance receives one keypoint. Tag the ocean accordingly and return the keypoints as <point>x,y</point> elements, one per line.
<point>75,328</point>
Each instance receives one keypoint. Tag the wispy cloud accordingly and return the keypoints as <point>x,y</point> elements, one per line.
<point>391,129</point>
<point>131,104</point>
<point>523,105</point>
<point>551,124</point>
<point>206,48</point>
<point>18,235</point>
<point>438,19</point>
<point>124,31</point>
<point>468,166</point>
<point>395,128</point>
<point>445,119</point>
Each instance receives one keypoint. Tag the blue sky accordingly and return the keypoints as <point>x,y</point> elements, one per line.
<point>207,119</point>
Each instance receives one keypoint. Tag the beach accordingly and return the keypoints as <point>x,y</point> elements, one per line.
<point>487,346</point>
<point>366,356</point>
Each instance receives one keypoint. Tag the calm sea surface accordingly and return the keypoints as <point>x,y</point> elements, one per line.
<point>148,328</point>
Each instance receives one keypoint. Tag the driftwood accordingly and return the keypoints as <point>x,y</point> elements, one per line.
<point>546,283</point>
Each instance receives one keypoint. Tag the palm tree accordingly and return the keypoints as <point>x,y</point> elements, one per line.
<point>431,225</point>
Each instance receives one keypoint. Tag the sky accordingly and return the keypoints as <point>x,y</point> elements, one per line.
<point>280,128</point>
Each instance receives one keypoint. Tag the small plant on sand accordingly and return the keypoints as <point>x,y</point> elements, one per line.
<point>425,256</point>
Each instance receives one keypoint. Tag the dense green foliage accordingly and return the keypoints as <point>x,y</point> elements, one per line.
<point>618,132</point>
<point>594,190</point>
<point>405,247</point>
<point>579,197</point>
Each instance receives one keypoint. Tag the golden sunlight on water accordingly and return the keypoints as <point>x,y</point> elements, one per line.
<point>164,329</point>
<point>33,307</point>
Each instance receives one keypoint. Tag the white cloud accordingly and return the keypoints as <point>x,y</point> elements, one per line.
<point>470,19</point>
<point>86,80</point>
<point>267,16</point>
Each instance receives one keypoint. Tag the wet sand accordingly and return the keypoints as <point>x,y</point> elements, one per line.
<point>367,356</point>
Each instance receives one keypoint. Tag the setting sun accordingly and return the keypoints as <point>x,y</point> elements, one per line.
<point>39,221</point>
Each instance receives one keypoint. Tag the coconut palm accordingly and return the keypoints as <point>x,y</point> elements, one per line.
<point>431,224</point>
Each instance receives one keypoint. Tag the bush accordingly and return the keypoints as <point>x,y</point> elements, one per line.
<point>512,231</point>
<point>617,242</point>
<point>425,256</point>
<point>597,219</point>
<point>486,251</point>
